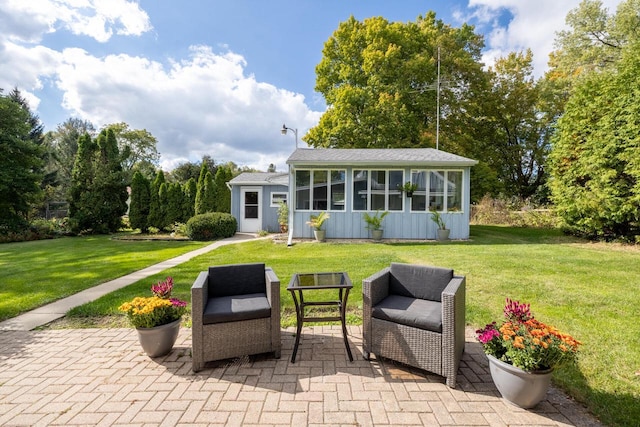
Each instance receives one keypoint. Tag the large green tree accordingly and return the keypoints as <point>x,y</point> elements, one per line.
<point>513,132</point>
<point>222,194</point>
<point>157,217</point>
<point>137,146</point>
<point>63,143</point>
<point>20,165</point>
<point>596,155</point>
<point>376,76</point>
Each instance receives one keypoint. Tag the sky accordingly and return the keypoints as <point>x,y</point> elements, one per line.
<point>219,77</point>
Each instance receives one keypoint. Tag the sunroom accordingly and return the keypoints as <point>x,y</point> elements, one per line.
<point>408,183</point>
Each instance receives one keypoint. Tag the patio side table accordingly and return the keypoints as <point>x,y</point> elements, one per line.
<point>305,282</point>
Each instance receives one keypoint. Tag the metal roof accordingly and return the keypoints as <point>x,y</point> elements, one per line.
<point>377,156</point>
<point>261,178</point>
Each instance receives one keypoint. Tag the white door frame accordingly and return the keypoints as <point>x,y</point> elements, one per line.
<point>250,220</point>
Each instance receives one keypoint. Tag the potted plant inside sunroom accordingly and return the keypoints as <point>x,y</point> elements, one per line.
<point>523,352</point>
<point>316,222</point>
<point>156,318</point>
<point>374,223</point>
<point>409,188</point>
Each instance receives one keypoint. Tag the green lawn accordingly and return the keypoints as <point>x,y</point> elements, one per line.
<point>36,273</point>
<point>591,291</point>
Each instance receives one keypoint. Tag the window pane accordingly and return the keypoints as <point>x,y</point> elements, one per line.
<point>337,190</point>
<point>378,185</point>
<point>419,199</point>
<point>303,194</point>
<point>320,190</point>
<point>395,195</point>
<point>436,191</point>
<point>454,191</point>
<point>360,195</point>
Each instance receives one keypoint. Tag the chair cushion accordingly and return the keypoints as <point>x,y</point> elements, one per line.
<point>235,308</point>
<point>236,279</point>
<point>413,312</point>
<point>419,281</point>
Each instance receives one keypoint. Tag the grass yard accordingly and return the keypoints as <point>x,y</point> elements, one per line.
<point>591,291</point>
<point>36,273</point>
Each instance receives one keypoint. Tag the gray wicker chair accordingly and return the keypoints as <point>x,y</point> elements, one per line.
<point>415,315</point>
<point>235,312</point>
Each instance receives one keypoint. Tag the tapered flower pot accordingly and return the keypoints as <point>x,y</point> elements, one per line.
<point>443,234</point>
<point>376,235</point>
<point>522,388</point>
<point>319,235</point>
<point>158,341</point>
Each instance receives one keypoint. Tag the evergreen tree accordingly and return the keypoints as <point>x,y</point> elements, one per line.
<point>140,200</point>
<point>222,192</point>
<point>156,210</point>
<point>209,204</point>
<point>190,190</point>
<point>175,203</point>
<point>163,198</point>
<point>200,205</point>
<point>81,194</point>
<point>20,171</point>
<point>109,184</point>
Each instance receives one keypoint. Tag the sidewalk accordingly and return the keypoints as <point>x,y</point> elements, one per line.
<point>56,310</point>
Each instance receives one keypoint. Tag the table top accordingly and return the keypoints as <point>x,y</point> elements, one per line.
<point>333,280</point>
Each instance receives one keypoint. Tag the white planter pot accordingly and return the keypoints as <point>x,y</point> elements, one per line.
<point>319,235</point>
<point>522,388</point>
<point>442,234</point>
<point>376,235</point>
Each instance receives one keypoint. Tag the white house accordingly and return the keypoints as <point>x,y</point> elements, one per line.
<point>349,182</point>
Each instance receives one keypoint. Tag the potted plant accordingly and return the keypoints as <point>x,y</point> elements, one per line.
<point>442,232</point>
<point>523,352</point>
<point>374,224</point>
<point>156,318</point>
<point>283,216</point>
<point>316,222</point>
<point>408,187</point>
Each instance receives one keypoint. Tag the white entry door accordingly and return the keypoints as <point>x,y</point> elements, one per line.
<point>250,208</point>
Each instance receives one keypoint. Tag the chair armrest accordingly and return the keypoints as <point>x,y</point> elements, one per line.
<point>375,288</point>
<point>273,288</point>
<point>199,297</point>
<point>453,325</point>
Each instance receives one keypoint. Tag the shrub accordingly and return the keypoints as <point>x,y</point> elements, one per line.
<point>211,226</point>
<point>511,212</point>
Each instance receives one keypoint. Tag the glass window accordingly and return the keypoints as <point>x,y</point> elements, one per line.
<point>360,190</point>
<point>337,190</point>
<point>320,188</point>
<point>251,205</point>
<point>303,190</point>
<point>276,198</point>
<point>436,191</point>
<point>378,190</point>
<point>419,199</point>
<point>454,191</point>
<point>395,195</point>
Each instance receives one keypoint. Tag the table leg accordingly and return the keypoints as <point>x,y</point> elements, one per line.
<point>343,318</point>
<point>299,325</point>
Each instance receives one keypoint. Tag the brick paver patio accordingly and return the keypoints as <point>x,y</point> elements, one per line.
<point>101,377</point>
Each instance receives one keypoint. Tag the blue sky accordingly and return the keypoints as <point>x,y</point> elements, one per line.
<point>218,77</point>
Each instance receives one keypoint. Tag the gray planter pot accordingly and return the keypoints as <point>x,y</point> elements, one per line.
<point>442,234</point>
<point>159,341</point>
<point>319,235</point>
<point>376,235</point>
<point>523,389</point>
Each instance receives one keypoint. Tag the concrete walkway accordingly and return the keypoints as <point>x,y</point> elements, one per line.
<point>56,310</point>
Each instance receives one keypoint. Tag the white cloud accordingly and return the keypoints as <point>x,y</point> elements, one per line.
<point>204,104</point>
<point>533,25</point>
<point>29,20</point>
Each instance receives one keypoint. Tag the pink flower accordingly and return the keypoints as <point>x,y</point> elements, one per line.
<point>163,289</point>
<point>177,302</point>
<point>517,312</point>
<point>488,333</point>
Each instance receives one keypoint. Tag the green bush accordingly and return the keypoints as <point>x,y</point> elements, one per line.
<point>211,226</point>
